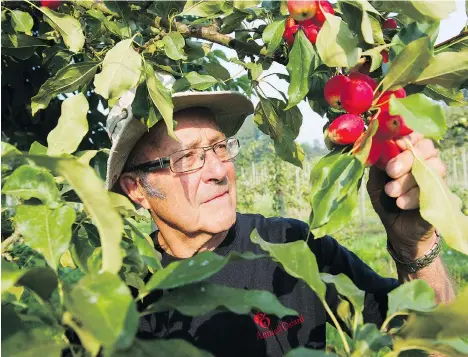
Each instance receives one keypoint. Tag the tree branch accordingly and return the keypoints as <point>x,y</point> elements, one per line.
<point>10,240</point>
<point>209,33</point>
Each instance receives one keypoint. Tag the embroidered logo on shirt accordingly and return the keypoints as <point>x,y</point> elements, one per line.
<point>263,321</point>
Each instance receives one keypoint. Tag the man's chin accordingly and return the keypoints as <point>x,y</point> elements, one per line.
<point>221,219</point>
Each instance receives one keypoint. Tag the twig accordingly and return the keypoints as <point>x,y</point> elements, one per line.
<point>10,240</point>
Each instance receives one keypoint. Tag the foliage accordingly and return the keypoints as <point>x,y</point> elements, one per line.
<point>70,249</point>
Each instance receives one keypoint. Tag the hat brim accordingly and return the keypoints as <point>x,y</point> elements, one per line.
<point>229,109</point>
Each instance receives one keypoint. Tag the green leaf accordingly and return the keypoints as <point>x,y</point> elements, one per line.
<point>119,29</point>
<point>71,128</point>
<point>37,149</point>
<point>199,299</point>
<point>145,245</point>
<point>68,27</point>
<point>165,347</point>
<point>415,295</point>
<point>369,338</point>
<point>451,97</point>
<point>307,352</point>
<point>20,46</point>
<point>427,11</point>
<point>231,22</point>
<point>408,65</point>
<point>195,81</point>
<point>192,270</point>
<point>302,62</point>
<point>336,44</point>
<point>447,69</point>
<point>104,306</point>
<point>89,342</point>
<point>57,57</point>
<point>41,280</point>
<point>447,321</point>
<point>273,34</point>
<point>95,198</point>
<point>28,181</point>
<point>436,197</point>
<point>46,230</point>
<point>9,150</point>
<point>368,24</point>
<point>376,56</point>
<point>21,41</point>
<point>216,70</point>
<point>420,114</point>
<point>30,342</point>
<point>412,32</point>
<point>203,8</point>
<point>297,260</point>
<point>334,193</point>
<point>86,156</point>
<point>85,249</point>
<point>120,71</point>
<point>122,8</point>
<point>346,288</point>
<point>161,97</point>
<point>282,126</point>
<point>455,347</point>
<point>21,21</point>
<point>66,80</point>
<point>174,46</point>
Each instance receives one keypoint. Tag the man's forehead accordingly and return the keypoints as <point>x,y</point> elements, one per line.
<point>191,125</point>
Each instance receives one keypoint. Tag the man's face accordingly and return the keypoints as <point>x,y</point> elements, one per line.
<point>202,201</point>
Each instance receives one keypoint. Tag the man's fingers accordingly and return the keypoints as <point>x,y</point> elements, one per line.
<point>405,183</point>
<point>401,165</point>
<point>409,200</point>
<point>413,138</point>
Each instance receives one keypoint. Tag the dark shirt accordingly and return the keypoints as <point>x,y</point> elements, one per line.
<point>224,333</point>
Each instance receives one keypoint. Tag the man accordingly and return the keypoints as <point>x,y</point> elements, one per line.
<point>189,186</point>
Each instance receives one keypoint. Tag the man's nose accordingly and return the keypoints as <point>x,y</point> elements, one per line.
<point>214,168</point>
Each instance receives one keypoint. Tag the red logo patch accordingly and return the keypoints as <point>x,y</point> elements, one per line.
<point>262,320</point>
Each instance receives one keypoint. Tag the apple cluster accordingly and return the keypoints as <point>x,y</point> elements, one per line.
<point>308,15</point>
<point>355,95</point>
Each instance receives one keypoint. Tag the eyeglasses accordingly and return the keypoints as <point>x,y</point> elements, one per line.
<point>191,159</point>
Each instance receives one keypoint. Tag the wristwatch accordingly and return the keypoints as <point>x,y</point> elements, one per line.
<point>412,266</point>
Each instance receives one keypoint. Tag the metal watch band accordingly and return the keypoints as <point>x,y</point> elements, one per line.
<point>412,266</point>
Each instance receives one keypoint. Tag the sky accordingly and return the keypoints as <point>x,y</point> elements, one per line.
<point>312,122</point>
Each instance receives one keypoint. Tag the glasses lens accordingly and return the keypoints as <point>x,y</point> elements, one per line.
<point>187,160</point>
<point>227,149</point>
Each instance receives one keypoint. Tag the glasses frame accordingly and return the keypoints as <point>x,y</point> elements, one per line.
<point>165,162</point>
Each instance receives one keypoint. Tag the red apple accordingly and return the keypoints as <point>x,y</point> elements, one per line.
<point>346,129</point>
<point>363,77</point>
<point>302,10</point>
<point>332,90</point>
<point>290,22</point>
<point>390,24</point>
<point>289,35</point>
<point>391,126</point>
<point>383,101</point>
<point>375,151</point>
<point>390,150</point>
<point>357,96</point>
<point>311,32</point>
<point>384,54</point>
<point>51,4</point>
<point>324,7</point>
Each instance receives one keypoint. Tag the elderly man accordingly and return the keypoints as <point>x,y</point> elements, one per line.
<point>190,189</point>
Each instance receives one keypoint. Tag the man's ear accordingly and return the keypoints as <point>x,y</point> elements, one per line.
<point>133,190</point>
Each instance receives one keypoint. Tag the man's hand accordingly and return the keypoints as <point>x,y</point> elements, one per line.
<point>395,197</point>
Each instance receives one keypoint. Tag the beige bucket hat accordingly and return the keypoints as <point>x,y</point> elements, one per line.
<point>229,108</point>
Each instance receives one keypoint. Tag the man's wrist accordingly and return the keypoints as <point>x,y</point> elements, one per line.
<point>424,256</point>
